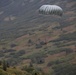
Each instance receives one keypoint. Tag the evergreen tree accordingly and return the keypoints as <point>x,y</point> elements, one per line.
<point>31,64</point>
<point>7,64</point>
<point>0,62</point>
<point>4,65</point>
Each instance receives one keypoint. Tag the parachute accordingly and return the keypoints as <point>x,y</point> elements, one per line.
<point>51,10</point>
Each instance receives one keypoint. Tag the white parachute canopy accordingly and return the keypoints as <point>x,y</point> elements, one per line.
<point>51,10</point>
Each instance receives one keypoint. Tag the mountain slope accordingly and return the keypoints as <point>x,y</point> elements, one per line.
<point>23,14</point>
<point>4,3</point>
<point>48,42</point>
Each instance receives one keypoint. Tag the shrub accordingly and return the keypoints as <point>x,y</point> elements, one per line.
<point>65,69</point>
<point>38,60</point>
<point>13,45</point>
<point>38,46</point>
<point>3,72</point>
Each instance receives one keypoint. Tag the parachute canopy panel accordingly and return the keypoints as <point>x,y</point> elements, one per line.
<point>51,10</point>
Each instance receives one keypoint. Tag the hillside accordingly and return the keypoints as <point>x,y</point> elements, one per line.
<point>48,42</point>
<point>24,70</point>
<point>4,3</point>
<point>17,16</point>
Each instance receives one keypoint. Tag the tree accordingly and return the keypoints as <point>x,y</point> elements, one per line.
<point>31,64</point>
<point>4,65</point>
<point>0,62</point>
<point>7,64</point>
<point>30,42</point>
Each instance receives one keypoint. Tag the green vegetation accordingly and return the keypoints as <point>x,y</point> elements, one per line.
<point>47,43</point>
<point>25,70</point>
<point>55,51</point>
<point>65,59</point>
<point>65,69</point>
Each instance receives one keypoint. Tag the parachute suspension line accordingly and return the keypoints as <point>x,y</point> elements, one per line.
<point>51,10</point>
